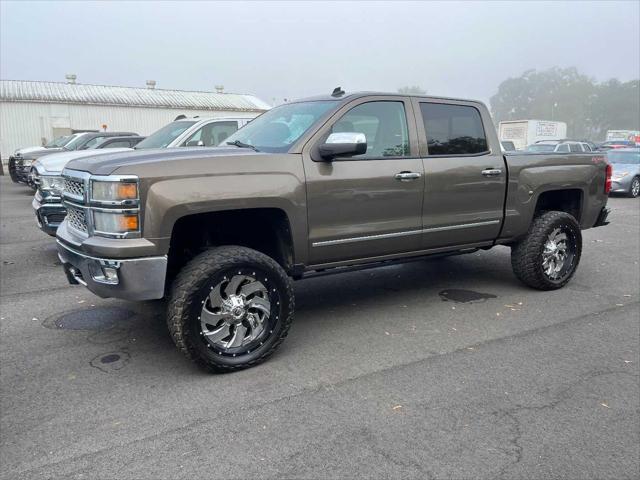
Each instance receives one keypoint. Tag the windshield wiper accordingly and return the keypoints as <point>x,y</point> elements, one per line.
<point>240,144</point>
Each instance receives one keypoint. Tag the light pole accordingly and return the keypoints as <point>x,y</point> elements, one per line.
<point>553,107</point>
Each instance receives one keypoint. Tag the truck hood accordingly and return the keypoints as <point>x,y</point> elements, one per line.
<point>107,164</point>
<point>35,152</point>
<point>24,151</point>
<point>55,162</point>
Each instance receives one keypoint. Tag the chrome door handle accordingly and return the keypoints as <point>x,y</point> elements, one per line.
<point>403,176</point>
<point>491,172</point>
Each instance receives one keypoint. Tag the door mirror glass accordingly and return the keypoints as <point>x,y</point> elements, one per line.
<point>343,144</point>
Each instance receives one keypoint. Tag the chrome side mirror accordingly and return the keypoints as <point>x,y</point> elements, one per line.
<point>343,144</point>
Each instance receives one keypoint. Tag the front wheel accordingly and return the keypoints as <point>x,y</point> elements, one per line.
<point>548,256</point>
<point>634,188</point>
<point>230,308</point>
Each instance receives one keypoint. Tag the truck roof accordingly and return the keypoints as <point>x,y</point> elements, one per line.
<point>361,94</point>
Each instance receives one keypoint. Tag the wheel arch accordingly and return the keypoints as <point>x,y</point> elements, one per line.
<point>265,229</point>
<point>568,200</point>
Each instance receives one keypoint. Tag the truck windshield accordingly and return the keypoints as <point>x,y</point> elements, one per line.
<point>627,158</point>
<point>167,134</point>
<point>76,142</point>
<point>279,128</point>
<point>58,142</point>
<point>541,148</point>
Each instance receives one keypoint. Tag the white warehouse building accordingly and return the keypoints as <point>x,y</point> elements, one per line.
<point>33,113</point>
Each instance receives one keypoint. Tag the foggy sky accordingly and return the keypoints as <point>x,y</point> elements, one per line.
<point>291,50</point>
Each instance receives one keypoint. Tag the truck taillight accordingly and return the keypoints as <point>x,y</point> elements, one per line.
<point>607,182</point>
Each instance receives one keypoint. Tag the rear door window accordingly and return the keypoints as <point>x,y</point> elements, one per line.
<point>575,148</point>
<point>453,129</point>
<point>564,148</point>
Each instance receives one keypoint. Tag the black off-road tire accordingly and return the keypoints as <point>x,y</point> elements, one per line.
<point>194,282</point>
<point>633,192</point>
<point>526,255</point>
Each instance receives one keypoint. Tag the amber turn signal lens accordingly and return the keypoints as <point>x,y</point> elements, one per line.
<point>127,191</point>
<point>128,223</point>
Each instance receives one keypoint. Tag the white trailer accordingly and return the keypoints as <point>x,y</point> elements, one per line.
<point>525,132</point>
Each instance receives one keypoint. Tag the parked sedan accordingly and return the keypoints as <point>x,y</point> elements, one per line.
<point>626,171</point>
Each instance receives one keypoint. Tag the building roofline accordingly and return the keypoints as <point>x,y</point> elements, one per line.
<point>32,91</point>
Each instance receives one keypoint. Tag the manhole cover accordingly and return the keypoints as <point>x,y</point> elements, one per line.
<point>464,296</point>
<point>111,362</point>
<point>98,318</point>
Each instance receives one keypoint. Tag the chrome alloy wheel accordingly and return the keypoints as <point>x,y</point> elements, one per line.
<point>635,187</point>
<point>236,311</point>
<point>557,255</point>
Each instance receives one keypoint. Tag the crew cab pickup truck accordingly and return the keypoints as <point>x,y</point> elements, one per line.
<point>315,186</point>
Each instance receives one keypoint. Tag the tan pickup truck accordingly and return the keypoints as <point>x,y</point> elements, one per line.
<point>317,185</point>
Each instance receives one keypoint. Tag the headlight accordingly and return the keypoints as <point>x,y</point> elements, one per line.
<point>124,191</point>
<point>619,175</point>
<point>52,183</point>
<point>116,223</point>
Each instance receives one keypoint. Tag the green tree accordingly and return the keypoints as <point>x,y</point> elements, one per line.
<point>563,94</point>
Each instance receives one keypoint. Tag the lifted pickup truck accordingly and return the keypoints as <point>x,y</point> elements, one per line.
<point>317,185</point>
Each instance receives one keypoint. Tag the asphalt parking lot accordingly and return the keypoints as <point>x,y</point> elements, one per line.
<point>447,368</point>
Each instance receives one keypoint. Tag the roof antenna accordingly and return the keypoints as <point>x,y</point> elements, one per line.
<point>337,92</point>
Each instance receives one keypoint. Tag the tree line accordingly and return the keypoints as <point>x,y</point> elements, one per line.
<point>589,108</point>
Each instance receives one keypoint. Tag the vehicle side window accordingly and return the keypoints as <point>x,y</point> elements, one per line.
<point>563,148</point>
<point>93,142</point>
<point>384,125</point>
<point>453,129</point>
<point>586,147</point>
<point>213,133</point>
<point>575,147</point>
<point>118,144</point>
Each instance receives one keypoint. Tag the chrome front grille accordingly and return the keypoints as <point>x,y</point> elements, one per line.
<point>74,187</point>
<point>77,219</point>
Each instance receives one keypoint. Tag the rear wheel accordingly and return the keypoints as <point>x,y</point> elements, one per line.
<point>230,308</point>
<point>548,256</point>
<point>634,188</point>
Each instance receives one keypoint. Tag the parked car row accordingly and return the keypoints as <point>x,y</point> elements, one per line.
<point>43,172</point>
<point>21,161</point>
<point>560,146</point>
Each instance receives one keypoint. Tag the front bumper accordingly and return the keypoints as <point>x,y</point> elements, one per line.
<point>49,216</point>
<point>132,278</point>
<point>19,170</point>
<point>13,169</point>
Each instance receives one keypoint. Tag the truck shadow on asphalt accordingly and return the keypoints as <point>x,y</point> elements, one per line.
<point>124,330</point>
<point>428,278</point>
